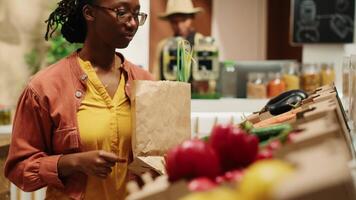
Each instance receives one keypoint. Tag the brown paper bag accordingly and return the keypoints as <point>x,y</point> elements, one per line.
<point>160,116</point>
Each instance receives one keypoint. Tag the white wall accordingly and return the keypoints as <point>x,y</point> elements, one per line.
<point>239,27</point>
<point>138,50</point>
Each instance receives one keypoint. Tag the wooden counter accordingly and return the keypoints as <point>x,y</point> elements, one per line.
<point>4,183</point>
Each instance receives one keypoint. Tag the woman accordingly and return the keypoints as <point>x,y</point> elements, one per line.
<point>72,130</point>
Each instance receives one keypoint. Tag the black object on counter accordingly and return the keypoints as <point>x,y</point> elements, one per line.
<point>285,102</point>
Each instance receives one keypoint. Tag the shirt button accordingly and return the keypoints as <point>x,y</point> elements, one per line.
<point>78,94</point>
<point>83,77</point>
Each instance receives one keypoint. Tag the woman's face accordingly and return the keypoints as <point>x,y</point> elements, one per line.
<point>115,28</point>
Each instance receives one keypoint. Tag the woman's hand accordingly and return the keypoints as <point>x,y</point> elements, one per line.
<point>94,163</point>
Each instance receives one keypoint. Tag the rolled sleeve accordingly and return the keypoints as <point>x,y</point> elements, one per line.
<point>49,171</point>
<point>29,164</point>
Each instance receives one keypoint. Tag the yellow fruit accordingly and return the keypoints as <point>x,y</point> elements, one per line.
<point>261,177</point>
<point>216,194</point>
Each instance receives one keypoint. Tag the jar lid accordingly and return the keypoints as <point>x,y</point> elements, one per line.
<point>327,66</point>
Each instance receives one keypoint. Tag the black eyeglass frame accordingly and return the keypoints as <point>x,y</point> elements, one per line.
<point>117,11</point>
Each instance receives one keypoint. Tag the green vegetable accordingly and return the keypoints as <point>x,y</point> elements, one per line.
<point>271,131</point>
<point>282,137</point>
<point>205,138</point>
<point>184,60</point>
<point>247,126</point>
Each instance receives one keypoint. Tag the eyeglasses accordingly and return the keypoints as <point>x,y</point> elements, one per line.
<point>125,16</point>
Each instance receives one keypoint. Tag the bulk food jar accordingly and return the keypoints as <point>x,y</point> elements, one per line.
<point>276,84</point>
<point>290,75</point>
<point>256,86</point>
<point>327,74</point>
<point>310,78</point>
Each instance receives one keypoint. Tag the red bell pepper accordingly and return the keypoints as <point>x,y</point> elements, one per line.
<point>235,148</point>
<point>192,159</point>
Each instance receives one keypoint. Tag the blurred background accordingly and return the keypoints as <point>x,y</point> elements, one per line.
<point>251,51</point>
<point>242,30</point>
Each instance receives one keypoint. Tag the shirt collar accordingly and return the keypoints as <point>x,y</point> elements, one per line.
<point>79,73</point>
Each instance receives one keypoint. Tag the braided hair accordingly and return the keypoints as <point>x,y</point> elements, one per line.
<point>68,15</point>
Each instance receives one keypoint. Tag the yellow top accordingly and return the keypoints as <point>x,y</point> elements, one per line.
<point>104,124</point>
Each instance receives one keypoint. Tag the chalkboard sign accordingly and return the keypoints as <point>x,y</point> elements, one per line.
<point>322,21</point>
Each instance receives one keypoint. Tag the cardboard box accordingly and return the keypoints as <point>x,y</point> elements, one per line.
<point>321,157</point>
<point>320,109</point>
<point>325,93</point>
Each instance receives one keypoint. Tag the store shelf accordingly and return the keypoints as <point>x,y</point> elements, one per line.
<point>227,105</point>
<point>205,113</point>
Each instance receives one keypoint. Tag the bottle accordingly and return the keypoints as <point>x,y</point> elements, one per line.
<point>327,74</point>
<point>291,76</point>
<point>276,84</point>
<point>345,77</point>
<point>310,77</point>
<point>256,86</point>
<point>207,60</point>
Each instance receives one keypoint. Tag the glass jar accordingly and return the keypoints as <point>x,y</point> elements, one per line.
<point>327,74</point>
<point>228,79</point>
<point>291,76</point>
<point>310,77</point>
<point>276,84</point>
<point>352,91</point>
<point>345,76</point>
<point>256,86</point>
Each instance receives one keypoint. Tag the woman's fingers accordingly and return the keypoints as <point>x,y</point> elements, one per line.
<point>111,157</point>
<point>108,156</point>
<point>103,172</point>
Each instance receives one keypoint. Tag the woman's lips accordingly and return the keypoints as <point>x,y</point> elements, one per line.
<point>129,36</point>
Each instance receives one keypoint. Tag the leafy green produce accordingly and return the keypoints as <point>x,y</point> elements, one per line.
<point>184,60</point>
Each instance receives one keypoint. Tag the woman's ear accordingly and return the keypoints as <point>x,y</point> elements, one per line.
<point>88,13</point>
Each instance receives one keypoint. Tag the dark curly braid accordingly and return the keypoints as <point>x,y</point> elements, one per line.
<point>69,16</point>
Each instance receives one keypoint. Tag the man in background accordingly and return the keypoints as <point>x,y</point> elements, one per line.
<point>180,14</point>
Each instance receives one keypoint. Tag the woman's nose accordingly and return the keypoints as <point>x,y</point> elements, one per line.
<point>132,22</point>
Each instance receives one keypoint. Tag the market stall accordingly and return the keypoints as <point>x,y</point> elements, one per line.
<point>297,152</point>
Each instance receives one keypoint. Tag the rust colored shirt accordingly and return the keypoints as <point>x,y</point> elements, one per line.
<point>45,126</point>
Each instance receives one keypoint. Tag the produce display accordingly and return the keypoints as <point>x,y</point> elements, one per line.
<point>278,156</point>
<point>261,177</point>
<point>234,154</point>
